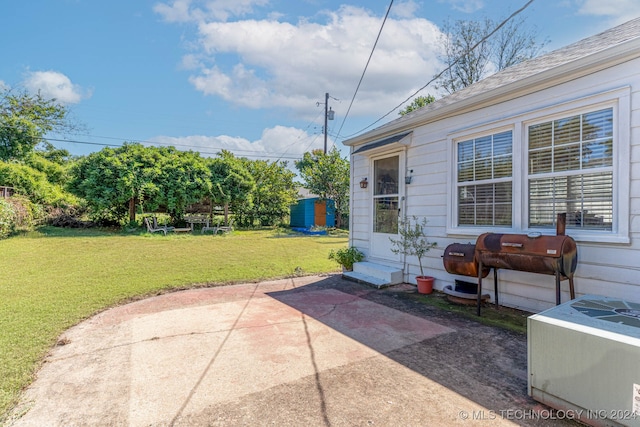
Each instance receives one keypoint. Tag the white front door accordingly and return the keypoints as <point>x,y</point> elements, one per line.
<point>386,207</point>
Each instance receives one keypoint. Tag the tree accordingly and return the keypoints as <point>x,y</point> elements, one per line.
<point>133,178</point>
<point>327,175</point>
<point>512,44</point>
<point>113,179</point>
<point>183,179</point>
<point>24,121</point>
<point>231,183</point>
<point>274,193</point>
<point>417,102</point>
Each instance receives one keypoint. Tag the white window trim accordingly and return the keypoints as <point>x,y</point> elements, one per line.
<point>619,99</point>
<point>454,189</point>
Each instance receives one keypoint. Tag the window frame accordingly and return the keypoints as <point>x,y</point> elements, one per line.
<point>619,100</point>
<point>478,182</point>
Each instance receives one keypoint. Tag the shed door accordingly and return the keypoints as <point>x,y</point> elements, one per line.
<point>320,213</point>
<point>386,206</point>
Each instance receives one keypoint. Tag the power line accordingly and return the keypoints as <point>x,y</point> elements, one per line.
<point>252,153</point>
<point>298,139</point>
<point>366,66</point>
<point>249,153</point>
<point>437,76</point>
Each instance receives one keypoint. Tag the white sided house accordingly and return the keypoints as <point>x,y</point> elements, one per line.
<point>559,133</point>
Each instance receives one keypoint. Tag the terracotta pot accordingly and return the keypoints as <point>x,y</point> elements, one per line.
<point>425,284</point>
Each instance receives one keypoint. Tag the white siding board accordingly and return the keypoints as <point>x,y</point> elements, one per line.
<point>618,256</point>
<point>606,273</point>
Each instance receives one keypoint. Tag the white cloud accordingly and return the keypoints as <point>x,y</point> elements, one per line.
<point>190,62</point>
<point>292,65</point>
<point>52,84</point>
<point>466,6</point>
<point>178,11</point>
<point>200,10</point>
<point>279,142</point>
<point>618,10</point>
<point>406,9</point>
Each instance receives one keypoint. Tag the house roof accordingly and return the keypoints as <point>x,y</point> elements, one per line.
<point>616,45</point>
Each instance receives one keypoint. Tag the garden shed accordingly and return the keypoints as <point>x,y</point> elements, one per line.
<point>556,134</point>
<point>312,211</point>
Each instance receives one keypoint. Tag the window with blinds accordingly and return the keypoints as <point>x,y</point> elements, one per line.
<point>484,180</point>
<point>570,169</point>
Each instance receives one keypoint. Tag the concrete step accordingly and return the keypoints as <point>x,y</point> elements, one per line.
<point>389,274</point>
<point>367,280</point>
<point>377,275</point>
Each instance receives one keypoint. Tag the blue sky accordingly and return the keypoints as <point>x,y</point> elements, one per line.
<point>247,75</point>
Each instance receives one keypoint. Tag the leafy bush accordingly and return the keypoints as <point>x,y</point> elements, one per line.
<point>18,213</point>
<point>346,257</point>
<point>34,184</point>
<point>28,213</point>
<point>55,172</point>
<point>7,218</point>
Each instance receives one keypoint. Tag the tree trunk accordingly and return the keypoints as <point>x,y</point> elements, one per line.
<point>132,209</point>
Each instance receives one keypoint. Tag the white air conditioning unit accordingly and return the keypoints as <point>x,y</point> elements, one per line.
<point>584,360</point>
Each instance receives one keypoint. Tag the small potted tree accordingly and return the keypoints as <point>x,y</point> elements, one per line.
<point>413,241</point>
<point>346,257</point>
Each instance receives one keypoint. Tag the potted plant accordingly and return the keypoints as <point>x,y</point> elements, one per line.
<point>413,241</point>
<point>346,257</point>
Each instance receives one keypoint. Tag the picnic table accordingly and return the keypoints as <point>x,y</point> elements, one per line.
<point>203,220</point>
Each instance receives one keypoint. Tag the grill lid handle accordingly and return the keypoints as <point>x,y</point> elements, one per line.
<point>460,254</point>
<point>512,245</point>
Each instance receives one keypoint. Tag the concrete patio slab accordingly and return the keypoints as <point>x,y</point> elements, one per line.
<point>302,351</point>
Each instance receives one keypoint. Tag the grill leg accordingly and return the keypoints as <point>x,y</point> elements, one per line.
<point>557,287</point>
<point>479,289</point>
<point>495,286</point>
<point>571,289</point>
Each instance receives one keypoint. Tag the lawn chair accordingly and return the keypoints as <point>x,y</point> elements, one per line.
<point>165,226</point>
<point>208,227</point>
<point>226,228</point>
<point>153,228</point>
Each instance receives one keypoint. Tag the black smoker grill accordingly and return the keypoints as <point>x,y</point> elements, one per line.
<point>555,255</point>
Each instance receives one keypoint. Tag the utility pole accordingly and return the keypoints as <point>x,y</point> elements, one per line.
<point>326,117</point>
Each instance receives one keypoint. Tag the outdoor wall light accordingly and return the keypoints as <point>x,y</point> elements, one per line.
<point>364,183</point>
<point>408,177</point>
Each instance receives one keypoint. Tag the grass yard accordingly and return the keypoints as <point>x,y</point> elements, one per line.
<point>53,278</point>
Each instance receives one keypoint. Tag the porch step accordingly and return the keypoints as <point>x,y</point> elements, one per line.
<point>367,280</point>
<point>376,275</point>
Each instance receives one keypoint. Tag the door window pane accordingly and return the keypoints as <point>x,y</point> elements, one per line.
<point>386,176</point>
<point>386,215</point>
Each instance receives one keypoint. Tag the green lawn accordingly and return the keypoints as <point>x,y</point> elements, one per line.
<point>52,279</point>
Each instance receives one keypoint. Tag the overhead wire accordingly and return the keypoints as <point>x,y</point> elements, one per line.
<point>366,67</point>
<point>258,154</point>
<point>437,76</point>
<point>248,153</point>
<point>299,137</point>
